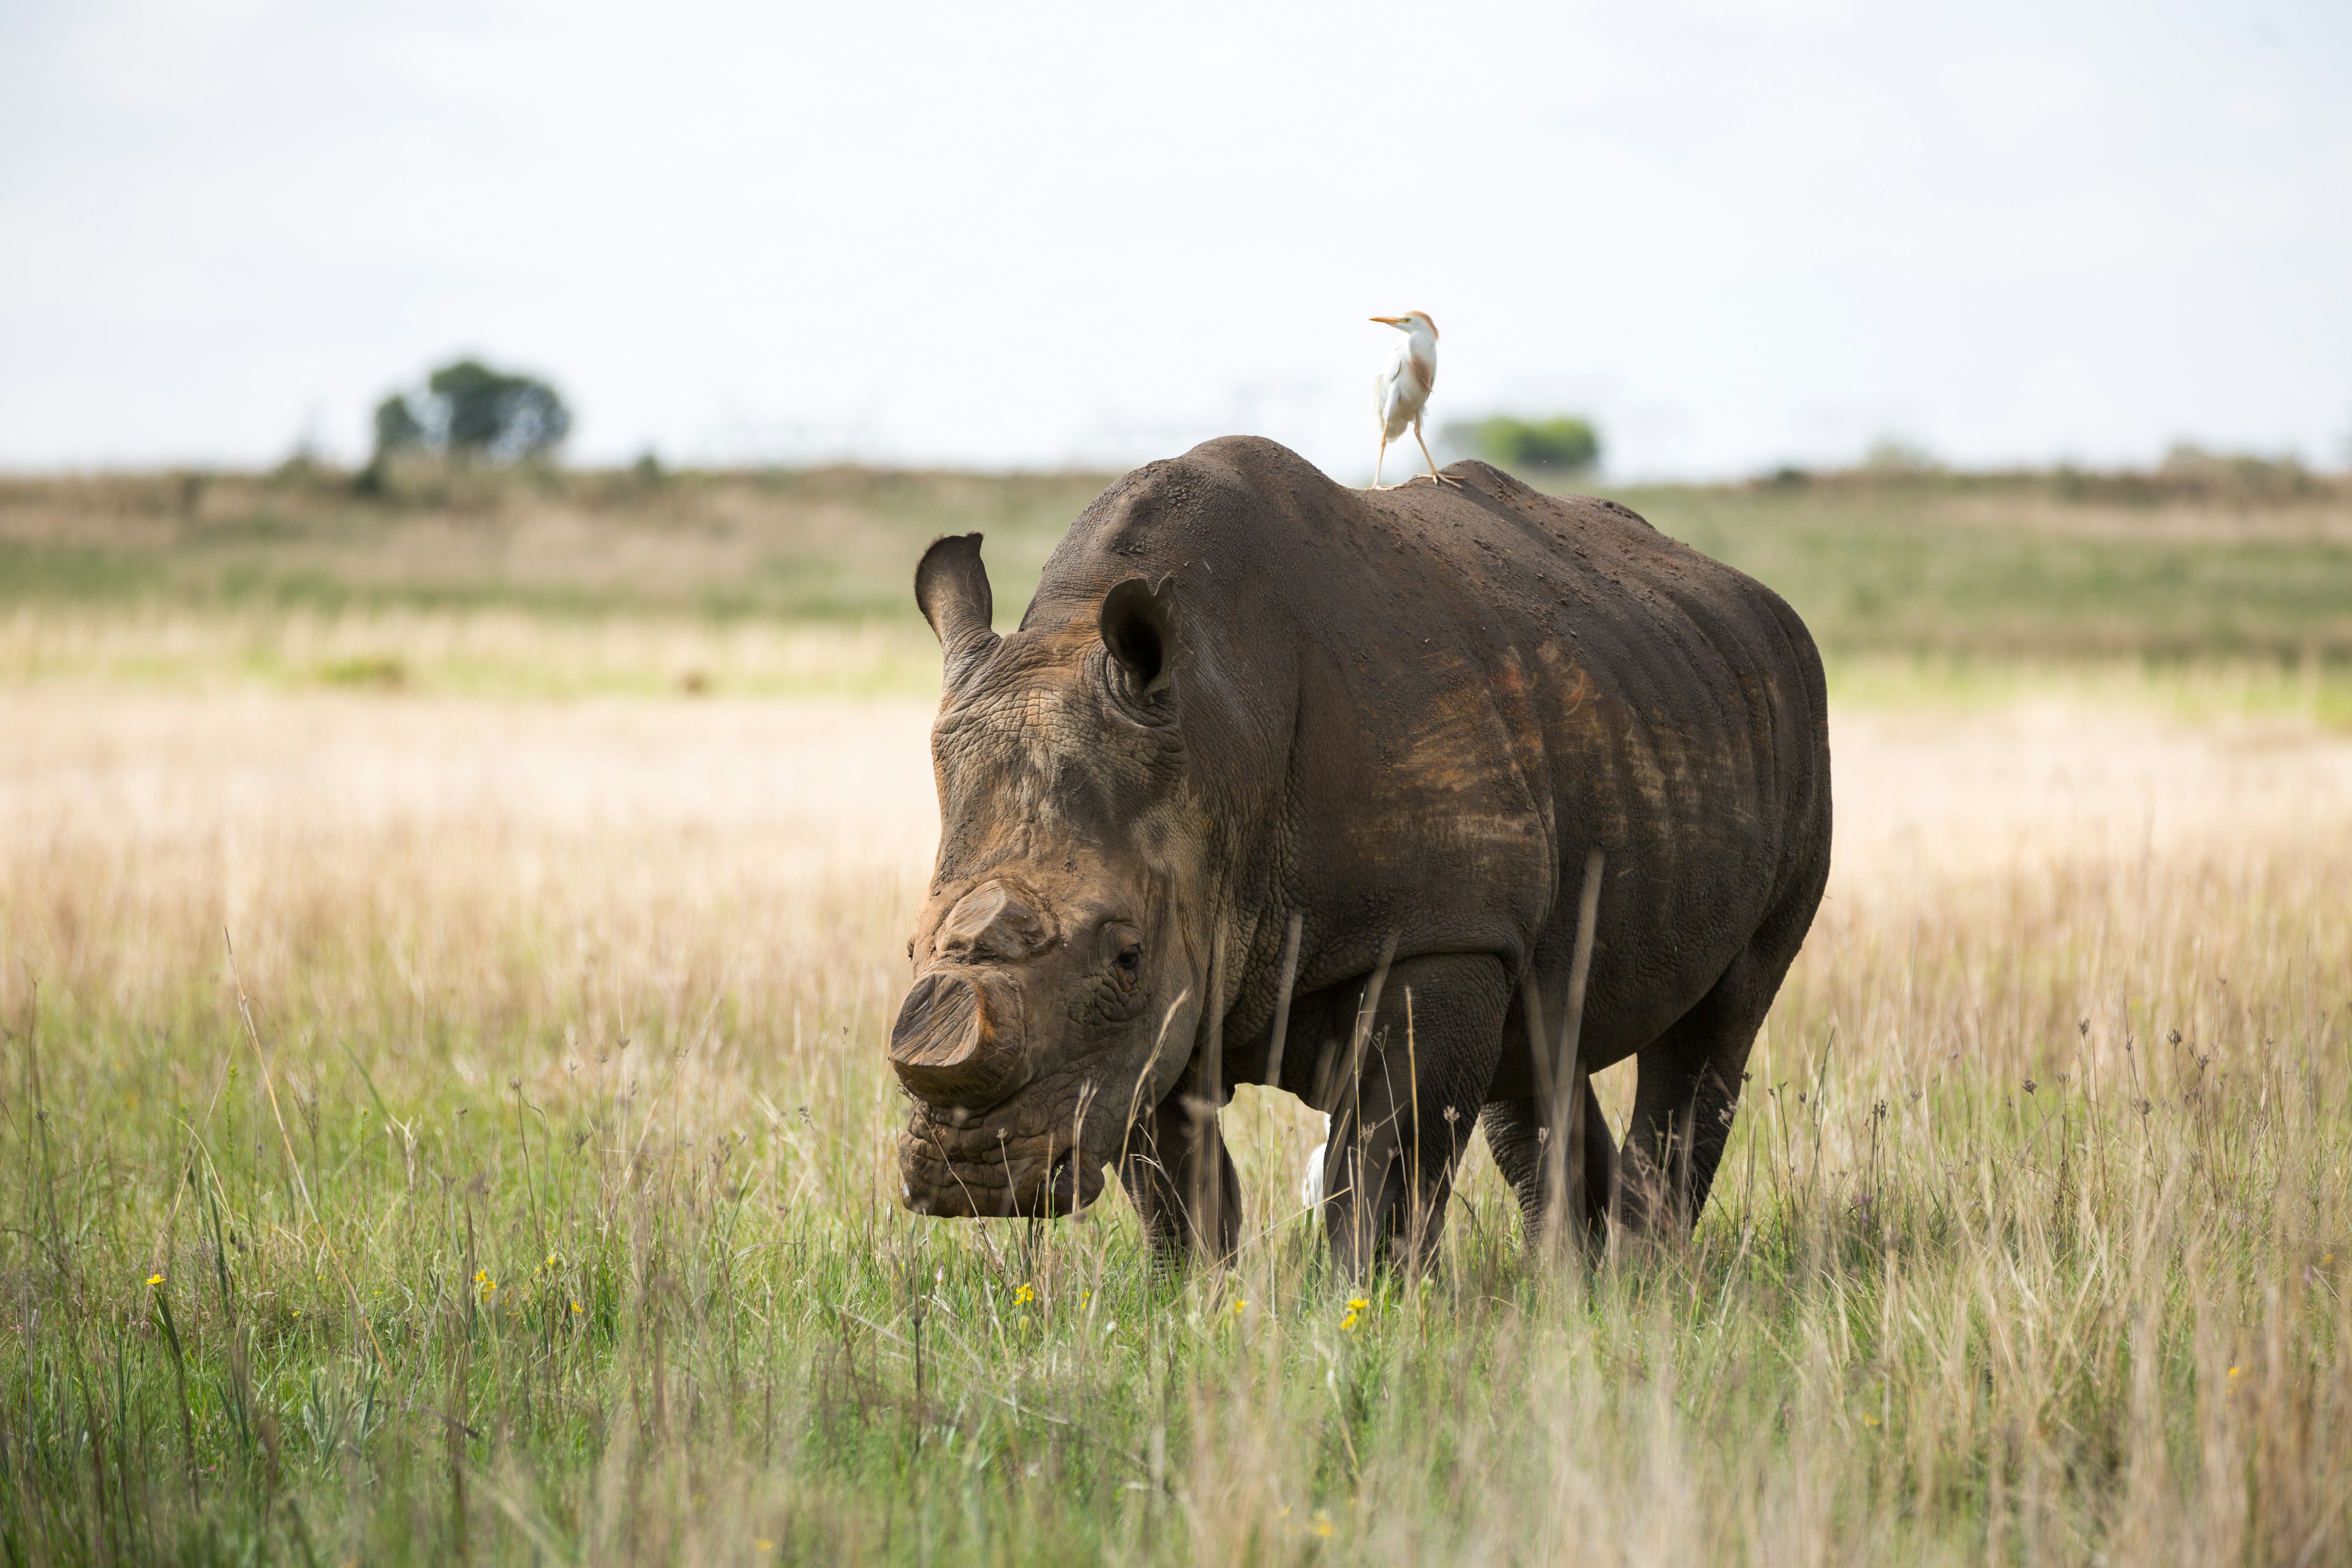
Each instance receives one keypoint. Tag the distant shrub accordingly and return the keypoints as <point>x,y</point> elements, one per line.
<point>466,409</point>
<point>1561,444</point>
<point>1894,455</point>
<point>2234,476</point>
<point>397,429</point>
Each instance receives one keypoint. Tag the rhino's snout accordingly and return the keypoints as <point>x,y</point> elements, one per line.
<point>947,1049</point>
<point>1001,998</point>
<point>957,1174</point>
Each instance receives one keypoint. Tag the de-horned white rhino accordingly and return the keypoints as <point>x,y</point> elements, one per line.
<point>1283,783</point>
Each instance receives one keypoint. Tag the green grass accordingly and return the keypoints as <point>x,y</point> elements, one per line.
<point>402,1322</point>
<point>475,1342</point>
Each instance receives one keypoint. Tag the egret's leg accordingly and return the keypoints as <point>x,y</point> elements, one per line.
<point>1434,474</point>
<point>1378,460</point>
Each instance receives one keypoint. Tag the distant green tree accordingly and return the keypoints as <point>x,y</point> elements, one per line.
<point>1561,444</point>
<point>494,413</point>
<point>396,428</point>
<point>466,409</point>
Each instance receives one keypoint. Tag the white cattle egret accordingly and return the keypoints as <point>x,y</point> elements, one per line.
<point>1402,389</point>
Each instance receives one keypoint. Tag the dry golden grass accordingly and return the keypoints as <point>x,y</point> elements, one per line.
<point>2032,1245</point>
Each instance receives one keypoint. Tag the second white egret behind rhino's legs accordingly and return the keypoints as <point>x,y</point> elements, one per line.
<point>1402,390</point>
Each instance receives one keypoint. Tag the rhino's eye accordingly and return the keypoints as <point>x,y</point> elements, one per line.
<point>1122,945</point>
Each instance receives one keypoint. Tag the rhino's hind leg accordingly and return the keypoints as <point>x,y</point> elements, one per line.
<point>1518,1137</point>
<point>1690,1076</point>
<point>1688,1091</point>
<point>1182,1182</point>
<point>1399,1127</point>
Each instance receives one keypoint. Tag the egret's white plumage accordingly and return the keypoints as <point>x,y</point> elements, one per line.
<point>1402,389</point>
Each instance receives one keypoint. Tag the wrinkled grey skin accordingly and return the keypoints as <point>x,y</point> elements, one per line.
<point>1244,692</point>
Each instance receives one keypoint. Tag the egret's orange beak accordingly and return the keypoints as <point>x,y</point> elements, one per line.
<point>1390,320</point>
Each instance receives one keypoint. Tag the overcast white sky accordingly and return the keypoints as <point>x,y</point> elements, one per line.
<point>1738,233</point>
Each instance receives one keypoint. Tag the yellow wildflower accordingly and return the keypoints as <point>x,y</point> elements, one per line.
<point>1023,1296</point>
<point>154,1279</point>
<point>1323,1524</point>
<point>1240,1307</point>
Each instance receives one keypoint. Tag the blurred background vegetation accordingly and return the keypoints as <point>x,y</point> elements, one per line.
<point>1560,446</point>
<point>469,412</point>
<point>2201,557</point>
<point>461,516</point>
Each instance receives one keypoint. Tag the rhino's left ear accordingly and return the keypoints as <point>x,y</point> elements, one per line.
<point>952,588</point>
<point>1138,632</point>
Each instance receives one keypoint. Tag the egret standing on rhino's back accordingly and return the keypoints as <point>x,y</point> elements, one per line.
<point>1402,389</point>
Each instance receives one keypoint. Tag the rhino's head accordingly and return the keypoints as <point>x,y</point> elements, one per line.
<point>1055,992</point>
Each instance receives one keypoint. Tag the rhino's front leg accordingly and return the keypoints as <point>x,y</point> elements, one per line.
<point>1399,1125</point>
<point>1182,1181</point>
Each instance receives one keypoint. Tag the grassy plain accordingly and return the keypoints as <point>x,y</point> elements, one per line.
<point>445,1117</point>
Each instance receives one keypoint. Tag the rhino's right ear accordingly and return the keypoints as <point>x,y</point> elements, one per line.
<point>1138,632</point>
<point>952,588</point>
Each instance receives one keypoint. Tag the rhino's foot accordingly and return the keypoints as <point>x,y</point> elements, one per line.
<point>1521,1144</point>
